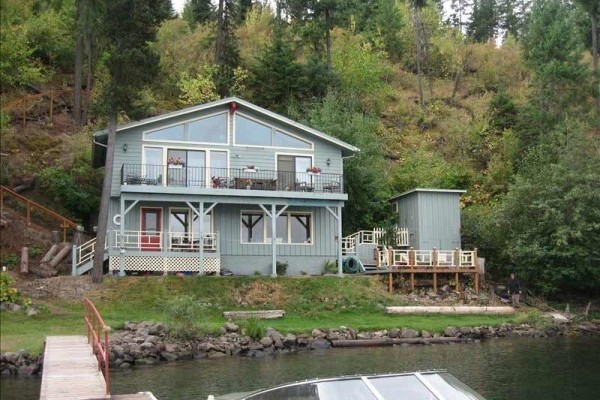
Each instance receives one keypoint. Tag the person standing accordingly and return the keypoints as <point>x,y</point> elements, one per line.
<point>514,289</point>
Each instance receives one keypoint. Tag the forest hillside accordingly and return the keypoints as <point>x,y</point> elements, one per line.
<point>497,97</point>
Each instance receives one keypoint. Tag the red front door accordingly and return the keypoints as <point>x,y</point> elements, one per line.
<point>150,237</point>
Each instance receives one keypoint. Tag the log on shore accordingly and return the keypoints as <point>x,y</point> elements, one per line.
<point>449,310</point>
<point>50,254</point>
<point>61,255</point>
<point>390,341</point>
<point>259,314</point>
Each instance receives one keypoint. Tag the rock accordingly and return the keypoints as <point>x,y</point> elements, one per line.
<point>317,333</point>
<point>266,341</point>
<point>171,347</point>
<point>231,327</point>
<point>32,312</point>
<point>363,336</point>
<point>216,354</point>
<point>152,339</point>
<point>23,353</point>
<point>11,357</point>
<point>451,331</point>
<point>125,365</point>
<point>409,333</point>
<point>426,334</point>
<point>465,330</point>
<point>255,346</point>
<point>333,336</point>
<point>394,333</point>
<point>289,340</point>
<point>145,361</point>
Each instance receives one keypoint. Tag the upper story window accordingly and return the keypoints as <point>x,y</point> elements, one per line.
<point>211,129</point>
<point>176,133</point>
<point>252,133</point>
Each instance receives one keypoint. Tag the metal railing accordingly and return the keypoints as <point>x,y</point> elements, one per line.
<point>97,331</point>
<point>230,178</point>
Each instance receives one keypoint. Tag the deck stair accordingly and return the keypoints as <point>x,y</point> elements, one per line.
<point>83,257</point>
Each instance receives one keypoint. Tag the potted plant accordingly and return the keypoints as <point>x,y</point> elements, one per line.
<point>313,170</point>
<point>250,168</point>
<point>245,182</point>
<point>216,181</point>
<point>175,162</point>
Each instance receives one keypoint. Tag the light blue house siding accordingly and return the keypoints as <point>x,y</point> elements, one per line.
<point>432,217</point>
<point>308,203</point>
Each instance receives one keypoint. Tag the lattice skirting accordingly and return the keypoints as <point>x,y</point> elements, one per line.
<point>165,264</point>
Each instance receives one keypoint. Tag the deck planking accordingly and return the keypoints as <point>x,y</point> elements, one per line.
<point>71,370</point>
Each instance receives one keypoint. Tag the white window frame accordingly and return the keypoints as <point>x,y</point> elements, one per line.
<point>273,128</point>
<point>186,129</point>
<point>267,239</point>
<point>191,215</point>
<point>207,151</point>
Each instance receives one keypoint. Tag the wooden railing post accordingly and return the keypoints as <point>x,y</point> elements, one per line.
<point>434,260</point>
<point>411,262</point>
<point>476,264</point>
<point>456,265</point>
<point>95,326</point>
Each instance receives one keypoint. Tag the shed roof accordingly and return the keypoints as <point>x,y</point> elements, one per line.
<point>458,191</point>
<point>349,149</point>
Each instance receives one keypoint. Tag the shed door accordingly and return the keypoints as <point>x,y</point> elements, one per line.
<point>151,229</point>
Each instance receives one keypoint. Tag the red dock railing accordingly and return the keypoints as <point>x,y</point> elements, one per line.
<point>97,331</point>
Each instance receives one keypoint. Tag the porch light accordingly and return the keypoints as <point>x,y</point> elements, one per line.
<point>125,148</point>
<point>328,162</point>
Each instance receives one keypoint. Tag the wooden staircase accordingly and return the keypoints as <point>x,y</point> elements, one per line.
<point>65,223</point>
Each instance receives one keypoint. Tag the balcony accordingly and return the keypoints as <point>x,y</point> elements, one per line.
<point>230,178</point>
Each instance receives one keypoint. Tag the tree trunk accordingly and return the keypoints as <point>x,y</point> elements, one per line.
<point>89,78</point>
<point>78,80</point>
<point>417,22</point>
<point>594,20</point>
<point>24,260</point>
<point>220,42</point>
<point>60,256</point>
<point>97,272</point>
<point>48,256</point>
<point>328,37</point>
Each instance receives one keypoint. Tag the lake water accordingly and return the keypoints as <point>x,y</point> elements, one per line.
<point>562,368</point>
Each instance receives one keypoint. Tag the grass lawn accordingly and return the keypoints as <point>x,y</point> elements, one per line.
<point>309,302</point>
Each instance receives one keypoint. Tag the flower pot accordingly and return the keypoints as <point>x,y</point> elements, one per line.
<point>175,166</point>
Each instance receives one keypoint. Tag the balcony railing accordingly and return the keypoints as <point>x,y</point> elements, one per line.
<point>230,178</point>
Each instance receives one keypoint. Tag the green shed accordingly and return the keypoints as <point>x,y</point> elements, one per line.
<point>432,217</point>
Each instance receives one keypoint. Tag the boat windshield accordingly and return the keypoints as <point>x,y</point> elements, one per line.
<point>409,386</point>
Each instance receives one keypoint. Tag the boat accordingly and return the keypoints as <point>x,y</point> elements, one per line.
<point>426,385</point>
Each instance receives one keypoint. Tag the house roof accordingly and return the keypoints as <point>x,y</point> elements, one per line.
<point>459,191</point>
<point>349,149</point>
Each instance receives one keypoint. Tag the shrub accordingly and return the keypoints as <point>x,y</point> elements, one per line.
<point>10,261</point>
<point>8,293</point>
<point>330,267</point>
<point>281,268</point>
<point>182,310</point>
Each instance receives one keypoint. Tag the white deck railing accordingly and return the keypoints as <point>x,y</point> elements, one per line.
<point>397,237</point>
<point>85,252</point>
<point>169,241</point>
<point>431,258</point>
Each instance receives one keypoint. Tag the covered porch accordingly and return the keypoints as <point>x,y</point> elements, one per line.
<point>154,232</point>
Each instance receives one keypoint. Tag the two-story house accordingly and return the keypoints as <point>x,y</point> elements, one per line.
<point>225,184</point>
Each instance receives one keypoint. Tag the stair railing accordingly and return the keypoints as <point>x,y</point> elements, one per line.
<point>97,335</point>
<point>65,223</point>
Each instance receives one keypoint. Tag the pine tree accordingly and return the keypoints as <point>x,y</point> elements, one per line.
<point>198,12</point>
<point>484,21</point>
<point>131,64</point>
<point>226,51</point>
<point>460,13</point>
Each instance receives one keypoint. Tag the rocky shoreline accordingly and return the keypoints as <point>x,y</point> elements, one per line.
<point>147,343</point>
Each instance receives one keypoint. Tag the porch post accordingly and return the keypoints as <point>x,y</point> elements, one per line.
<point>273,244</point>
<point>339,234</point>
<point>201,242</point>
<point>122,234</point>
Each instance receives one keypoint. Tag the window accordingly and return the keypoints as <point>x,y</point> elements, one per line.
<point>153,157</point>
<point>251,133</point>
<point>292,228</point>
<point>172,133</point>
<point>253,227</point>
<point>284,140</point>
<point>209,130</point>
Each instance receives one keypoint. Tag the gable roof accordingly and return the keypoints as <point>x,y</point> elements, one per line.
<point>347,148</point>
<point>458,191</point>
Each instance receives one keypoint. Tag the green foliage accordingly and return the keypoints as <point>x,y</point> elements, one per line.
<point>8,293</point>
<point>330,267</point>
<point>551,215</point>
<point>10,260</point>
<point>182,311</point>
<point>199,89</point>
<point>198,12</point>
<point>254,328</point>
<point>281,267</point>
<point>17,66</point>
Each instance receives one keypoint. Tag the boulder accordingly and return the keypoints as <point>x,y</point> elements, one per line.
<point>289,340</point>
<point>394,333</point>
<point>409,333</point>
<point>451,331</point>
<point>319,343</point>
<point>266,341</point>
<point>426,334</point>
<point>231,327</point>
<point>145,361</point>
<point>317,333</point>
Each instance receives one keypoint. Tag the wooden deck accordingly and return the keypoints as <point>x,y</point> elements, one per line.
<point>71,370</point>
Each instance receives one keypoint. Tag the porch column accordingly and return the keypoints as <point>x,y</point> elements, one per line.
<point>338,217</point>
<point>201,242</point>
<point>122,234</point>
<point>273,236</point>
<point>339,220</point>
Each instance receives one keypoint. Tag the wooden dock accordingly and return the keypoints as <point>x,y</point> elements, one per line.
<point>71,370</point>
